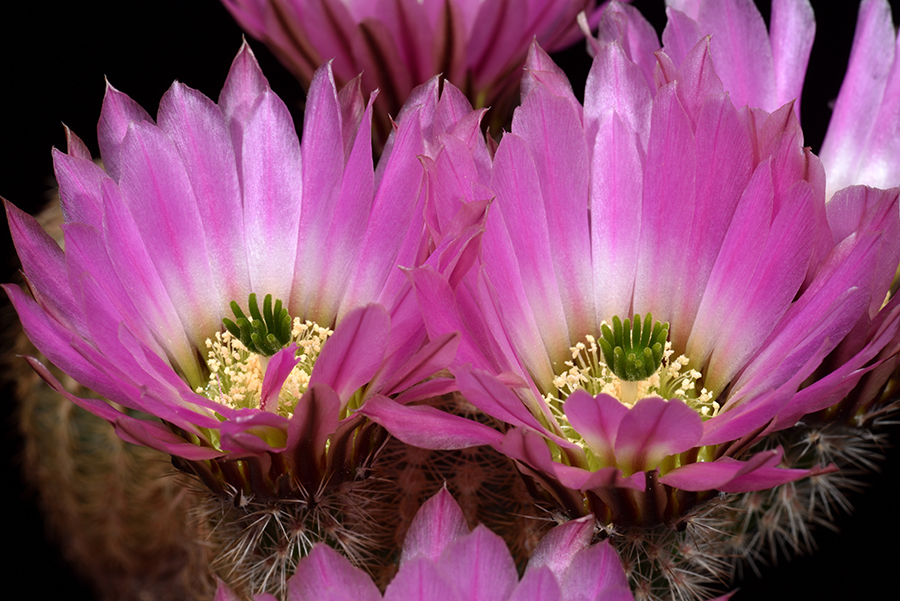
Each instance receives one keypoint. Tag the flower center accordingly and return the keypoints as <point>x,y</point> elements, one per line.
<point>631,361</point>
<point>238,357</point>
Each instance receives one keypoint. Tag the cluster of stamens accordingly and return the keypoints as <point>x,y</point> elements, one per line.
<point>672,379</point>
<point>236,373</point>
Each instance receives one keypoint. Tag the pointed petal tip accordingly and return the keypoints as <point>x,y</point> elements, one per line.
<point>438,523</point>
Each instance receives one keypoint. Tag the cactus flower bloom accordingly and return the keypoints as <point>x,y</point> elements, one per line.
<point>767,69</point>
<point>478,45</point>
<point>441,559</point>
<point>216,211</point>
<point>662,284</point>
<point>862,145</point>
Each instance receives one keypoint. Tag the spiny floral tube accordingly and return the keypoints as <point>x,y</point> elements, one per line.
<point>441,559</point>
<point>154,303</point>
<point>478,45</point>
<point>657,196</point>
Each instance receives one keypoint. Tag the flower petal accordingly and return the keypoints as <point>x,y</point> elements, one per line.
<point>353,354</point>
<point>596,574</point>
<point>421,580</point>
<point>537,585</point>
<point>277,371</point>
<point>597,420</point>
<point>730,475</point>
<point>315,419</point>
<point>437,524</point>
<point>480,565</point>
<point>273,195</point>
<point>427,427</point>
<point>559,546</point>
<point>862,143</point>
<point>326,575</point>
<point>652,430</point>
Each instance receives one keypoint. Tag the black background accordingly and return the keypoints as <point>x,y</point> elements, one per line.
<point>54,58</point>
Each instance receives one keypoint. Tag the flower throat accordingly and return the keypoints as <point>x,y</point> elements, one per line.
<point>630,361</point>
<point>238,357</point>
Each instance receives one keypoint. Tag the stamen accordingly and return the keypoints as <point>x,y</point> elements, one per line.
<point>639,349</point>
<point>236,372</point>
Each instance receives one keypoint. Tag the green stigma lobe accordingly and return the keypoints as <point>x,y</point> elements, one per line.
<point>263,333</point>
<point>632,352</point>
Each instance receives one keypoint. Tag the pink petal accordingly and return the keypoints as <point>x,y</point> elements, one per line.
<point>730,475</point>
<point>134,267</point>
<point>322,163</point>
<point>836,385</point>
<point>391,239</point>
<point>223,593</point>
<point>137,431</point>
<point>782,263</point>
<point>753,416</point>
<point>741,51</point>
<point>616,85</point>
<point>335,243</point>
<point>421,580</point>
<point>496,34</point>
<point>244,85</point>
<point>270,172</point>
<point>329,26</point>
<point>86,253</point>
<point>326,575</point>
<point>494,398</point>
<point>198,129</point>
<point>523,247</point>
<point>791,36</point>
<point>427,427</point>
<point>437,524</point>
<point>79,188</point>
<point>61,348</point>
<point>480,565</point>
<point>861,145</point>
<point>431,358</point>
<point>118,113</point>
<point>75,147</point>
<point>860,208</point>
<point>681,33</point>
<point>541,70</point>
<point>654,429</point>
<point>255,432</point>
<point>277,371</point>
<point>668,205</point>
<point>155,185</point>
<point>441,313</point>
<point>353,354</point>
<point>559,546</point>
<point>597,419</point>
<point>537,585</point>
<point>561,160</point>
<point>44,263</point>
<point>824,314</point>
<point>315,419</point>
<point>596,574</point>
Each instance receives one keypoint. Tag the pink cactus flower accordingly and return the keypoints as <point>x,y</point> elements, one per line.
<point>216,211</point>
<point>441,559</point>
<point>662,283</point>
<point>478,45</point>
